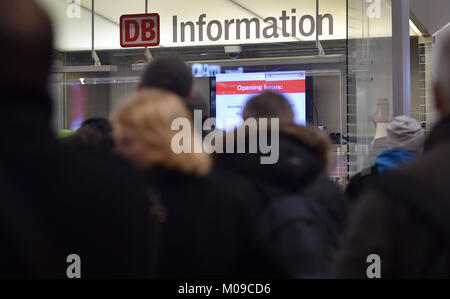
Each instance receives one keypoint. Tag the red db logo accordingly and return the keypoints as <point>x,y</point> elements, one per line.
<point>139,30</point>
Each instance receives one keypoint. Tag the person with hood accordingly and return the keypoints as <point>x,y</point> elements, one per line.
<point>208,232</point>
<point>404,217</point>
<point>406,139</point>
<point>301,171</point>
<point>64,213</point>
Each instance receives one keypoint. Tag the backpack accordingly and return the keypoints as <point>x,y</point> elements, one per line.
<point>300,235</point>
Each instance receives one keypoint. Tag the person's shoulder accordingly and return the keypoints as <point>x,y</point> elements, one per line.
<point>435,159</point>
<point>101,163</point>
<point>232,181</point>
<point>420,190</point>
<point>97,173</point>
<point>430,172</point>
<point>234,189</point>
<point>361,181</point>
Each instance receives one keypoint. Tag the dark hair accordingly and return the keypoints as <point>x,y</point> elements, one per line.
<point>100,125</point>
<point>269,105</point>
<point>95,133</point>
<point>168,73</point>
<point>26,33</point>
<point>91,138</point>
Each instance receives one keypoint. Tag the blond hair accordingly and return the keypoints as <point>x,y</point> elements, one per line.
<point>150,113</point>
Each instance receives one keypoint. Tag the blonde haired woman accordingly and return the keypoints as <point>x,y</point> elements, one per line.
<point>142,129</point>
<point>210,228</point>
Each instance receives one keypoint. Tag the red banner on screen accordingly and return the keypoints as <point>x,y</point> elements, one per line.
<point>255,87</point>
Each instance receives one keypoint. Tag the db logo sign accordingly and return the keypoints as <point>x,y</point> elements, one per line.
<point>139,30</point>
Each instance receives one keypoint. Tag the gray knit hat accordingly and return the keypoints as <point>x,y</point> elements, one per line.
<point>406,133</point>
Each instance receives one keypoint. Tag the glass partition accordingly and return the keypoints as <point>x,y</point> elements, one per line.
<point>369,101</point>
<point>271,36</point>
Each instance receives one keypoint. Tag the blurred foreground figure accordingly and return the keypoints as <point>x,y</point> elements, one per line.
<point>303,212</point>
<point>209,231</point>
<point>406,140</point>
<point>405,218</point>
<point>57,201</point>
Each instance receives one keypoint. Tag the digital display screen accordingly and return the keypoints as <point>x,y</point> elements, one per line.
<point>233,91</point>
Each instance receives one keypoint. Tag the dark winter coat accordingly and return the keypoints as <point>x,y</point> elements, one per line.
<point>300,171</point>
<point>210,228</point>
<point>404,219</point>
<point>57,201</point>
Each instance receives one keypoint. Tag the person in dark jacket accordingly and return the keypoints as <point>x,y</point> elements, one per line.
<point>57,202</point>
<point>406,139</point>
<point>301,170</point>
<point>209,230</point>
<point>404,219</point>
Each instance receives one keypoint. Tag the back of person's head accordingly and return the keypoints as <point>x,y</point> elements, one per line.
<point>100,125</point>
<point>406,133</point>
<point>144,135</point>
<point>26,36</point>
<point>269,105</point>
<point>95,133</point>
<point>84,136</point>
<point>168,73</point>
<point>441,76</point>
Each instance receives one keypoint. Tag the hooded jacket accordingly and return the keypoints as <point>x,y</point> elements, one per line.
<point>304,155</point>
<point>391,159</point>
<point>299,172</point>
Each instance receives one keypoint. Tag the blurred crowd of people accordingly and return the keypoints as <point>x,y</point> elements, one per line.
<point>115,193</point>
